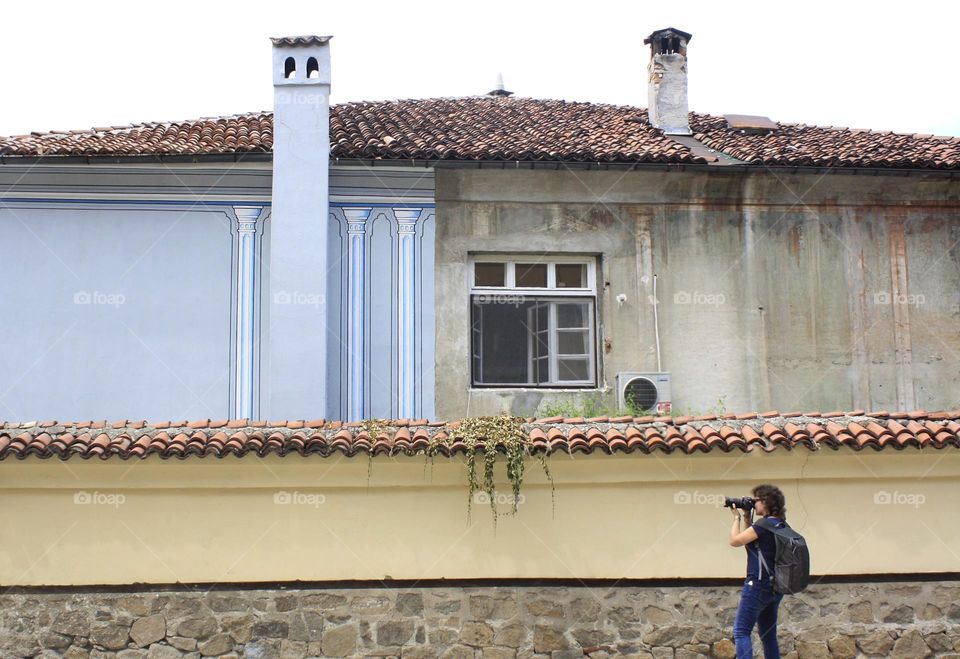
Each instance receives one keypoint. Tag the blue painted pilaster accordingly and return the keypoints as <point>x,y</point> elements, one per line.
<point>406,310</point>
<point>247,218</point>
<point>356,250</point>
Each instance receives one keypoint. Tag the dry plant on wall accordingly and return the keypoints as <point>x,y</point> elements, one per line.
<point>489,437</point>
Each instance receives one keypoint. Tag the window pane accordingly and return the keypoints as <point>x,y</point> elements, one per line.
<point>532,275</point>
<point>541,373</point>
<point>573,369</point>
<point>507,348</point>
<point>489,274</point>
<point>571,275</point>
<point>572,343</point>
<point>573,315</point>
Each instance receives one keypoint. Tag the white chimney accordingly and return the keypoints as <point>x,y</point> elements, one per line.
<point>667,81</point>
<point>295,386</point>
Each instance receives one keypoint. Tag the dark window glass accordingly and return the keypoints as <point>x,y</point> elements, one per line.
<point>531,275</point>
<point>512,338</point>
<point>573,370</point>
<point>489,274</point>
<point>571,275</point>
<point>573,315</point>
<point>505,342</point>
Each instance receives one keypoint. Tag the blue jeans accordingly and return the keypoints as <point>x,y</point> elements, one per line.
<point>758,606</point>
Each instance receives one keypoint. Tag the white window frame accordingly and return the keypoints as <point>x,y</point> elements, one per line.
<point>509,287</point>
<point>550,295</point>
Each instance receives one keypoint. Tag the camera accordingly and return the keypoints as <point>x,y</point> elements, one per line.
<point>743,503</point>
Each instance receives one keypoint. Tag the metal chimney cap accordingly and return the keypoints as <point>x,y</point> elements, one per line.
<point>668,32</point>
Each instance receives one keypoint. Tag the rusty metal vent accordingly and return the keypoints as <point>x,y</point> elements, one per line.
<point>750,124</point>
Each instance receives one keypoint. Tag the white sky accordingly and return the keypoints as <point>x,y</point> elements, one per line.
<point>882,65</point>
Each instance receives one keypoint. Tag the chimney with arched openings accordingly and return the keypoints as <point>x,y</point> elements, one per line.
<point>295,383</point>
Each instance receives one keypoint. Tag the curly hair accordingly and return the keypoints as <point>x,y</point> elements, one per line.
<point>773,499</point>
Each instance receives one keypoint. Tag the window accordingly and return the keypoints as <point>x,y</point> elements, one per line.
<point>533,321</point>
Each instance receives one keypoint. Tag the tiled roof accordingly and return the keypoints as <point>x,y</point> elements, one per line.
<point>746,432</point>
<point>817,146</point>
<point>219,135</point>
<point>506,129</point>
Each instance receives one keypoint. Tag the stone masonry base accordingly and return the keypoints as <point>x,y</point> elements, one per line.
<point>863,619</point>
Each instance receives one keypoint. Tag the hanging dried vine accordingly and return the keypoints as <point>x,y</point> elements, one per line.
<point>485,438</point>
<point>490,436</point>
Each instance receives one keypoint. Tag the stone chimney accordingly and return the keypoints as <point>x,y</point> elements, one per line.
<point>667,81</point>
<point>295,386</point>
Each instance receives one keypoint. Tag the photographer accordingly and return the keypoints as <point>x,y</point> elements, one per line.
<point>758,601</point>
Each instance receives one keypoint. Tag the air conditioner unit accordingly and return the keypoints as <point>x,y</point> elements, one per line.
<point>644,391</point>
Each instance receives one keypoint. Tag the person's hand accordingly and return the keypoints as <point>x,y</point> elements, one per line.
<point>736,511</point>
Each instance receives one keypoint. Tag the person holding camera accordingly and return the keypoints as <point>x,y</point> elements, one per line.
<point>758,600</point>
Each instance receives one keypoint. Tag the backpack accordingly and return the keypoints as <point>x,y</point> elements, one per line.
<point>791,568</point>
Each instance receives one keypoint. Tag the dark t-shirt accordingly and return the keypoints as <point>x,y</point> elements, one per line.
<point>765,542</point>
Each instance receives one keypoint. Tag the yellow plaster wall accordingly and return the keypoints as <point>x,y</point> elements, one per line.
<point>636,516</point>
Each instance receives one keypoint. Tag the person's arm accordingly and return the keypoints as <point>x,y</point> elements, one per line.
<point>739,537</point>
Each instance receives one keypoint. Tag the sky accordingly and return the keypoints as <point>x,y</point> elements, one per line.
<point>855,64</point>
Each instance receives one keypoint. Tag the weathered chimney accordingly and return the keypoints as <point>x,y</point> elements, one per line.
<point>667,81</point>
<point>297,358</point>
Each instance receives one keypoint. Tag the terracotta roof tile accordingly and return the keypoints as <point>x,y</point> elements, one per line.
<point>486,128</point>
<point>746,432</point>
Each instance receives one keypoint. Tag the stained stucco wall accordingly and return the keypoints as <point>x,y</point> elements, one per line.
<point>636,516</point>
<point>775,291</point>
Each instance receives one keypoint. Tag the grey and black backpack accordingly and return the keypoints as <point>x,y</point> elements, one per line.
<point>791,568</point>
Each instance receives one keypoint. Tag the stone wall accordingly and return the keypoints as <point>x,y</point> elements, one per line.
<point>899,619</point>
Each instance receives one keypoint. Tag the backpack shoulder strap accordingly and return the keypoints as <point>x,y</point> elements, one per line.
<point>770,526</point>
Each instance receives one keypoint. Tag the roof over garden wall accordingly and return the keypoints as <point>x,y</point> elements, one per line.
<point>770,431</point>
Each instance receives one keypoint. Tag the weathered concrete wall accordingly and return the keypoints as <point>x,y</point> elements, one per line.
<point>902,620</point>
<point>774,291</point>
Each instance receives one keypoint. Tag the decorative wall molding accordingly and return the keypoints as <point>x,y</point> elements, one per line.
<point>406,310</point>
<point>247,309</point>
<point>381,300</point>
<point>356,311</point>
